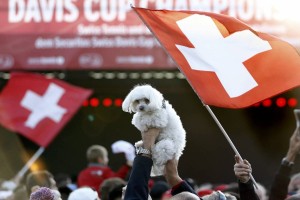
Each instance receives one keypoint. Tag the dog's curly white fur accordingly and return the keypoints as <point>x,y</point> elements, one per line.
<point>152,110</point>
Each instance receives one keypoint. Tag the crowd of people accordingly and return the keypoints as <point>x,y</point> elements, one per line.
<point>133,180</point>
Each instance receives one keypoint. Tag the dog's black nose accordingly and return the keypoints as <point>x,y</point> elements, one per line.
<point>142,108</point>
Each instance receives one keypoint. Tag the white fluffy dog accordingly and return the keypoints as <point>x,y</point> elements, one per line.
<point>152,110</point>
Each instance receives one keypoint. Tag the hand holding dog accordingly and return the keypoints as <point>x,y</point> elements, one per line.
<point>151,110</point>
<point>149,137</point>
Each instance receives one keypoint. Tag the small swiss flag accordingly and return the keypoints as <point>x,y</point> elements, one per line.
<point>226,62</point>
<point>37,107</point>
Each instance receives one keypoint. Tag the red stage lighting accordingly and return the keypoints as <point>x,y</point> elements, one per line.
<point>94,102</point>
<point>118,102</point>
<point>85,103</point>
<point>281,102</point>
<point>107,102</point>
<point>267,102</point>
<point>292,102</point>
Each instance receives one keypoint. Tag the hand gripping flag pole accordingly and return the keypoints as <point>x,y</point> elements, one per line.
<point>228,139</point>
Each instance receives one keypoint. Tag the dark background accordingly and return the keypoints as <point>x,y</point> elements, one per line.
<point>260,134</point>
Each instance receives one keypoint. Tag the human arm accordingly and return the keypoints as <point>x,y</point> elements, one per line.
<point>171,174</point>
<point>242,170</point>
<point>294,146</point>
<point>279,186</point>
<point>137,187</point>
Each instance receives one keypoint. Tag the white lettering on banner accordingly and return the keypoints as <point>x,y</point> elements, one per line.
<point>45,106</point>
<point>224,56</point>
<point>89,30</point>
<point>106,10</point>
<point>106,29</point>
<point>242,9</point>
<point>36,11</point>
<point>72,42</point>
<point>148,59</point>
<point>245,9</point>
<point>93,42</point>
<point>219,5</point>
<point>42,11</point>
<point>51,60</point>
<point>111,30</point>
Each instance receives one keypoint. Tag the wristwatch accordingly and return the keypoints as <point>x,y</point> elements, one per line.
<point>141,150</point>
<point>284,162</point>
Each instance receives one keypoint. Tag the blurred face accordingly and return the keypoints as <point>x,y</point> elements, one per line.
<point>106,160</point>
<point>53,184</point>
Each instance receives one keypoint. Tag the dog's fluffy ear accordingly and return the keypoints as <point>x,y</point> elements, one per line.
<point>127,104</point>
<point>155,98</point>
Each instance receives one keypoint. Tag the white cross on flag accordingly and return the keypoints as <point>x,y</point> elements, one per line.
<point>227,63</point>
<point>37,107</point>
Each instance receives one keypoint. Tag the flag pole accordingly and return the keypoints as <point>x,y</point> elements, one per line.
<point>228,138</point>
<point>37,154</point>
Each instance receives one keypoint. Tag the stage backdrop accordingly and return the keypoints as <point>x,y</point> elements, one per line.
<point>107,34</point>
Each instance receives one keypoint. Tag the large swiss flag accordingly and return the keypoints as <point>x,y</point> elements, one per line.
<point>37,107</point>
<point>226,62</point>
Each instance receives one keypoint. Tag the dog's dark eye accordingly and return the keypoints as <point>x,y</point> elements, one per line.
<point>136,101</point>
<point>147,101</point>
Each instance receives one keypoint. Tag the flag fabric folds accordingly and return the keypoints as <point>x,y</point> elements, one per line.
<point>227,63</point>
<point>37,107</point>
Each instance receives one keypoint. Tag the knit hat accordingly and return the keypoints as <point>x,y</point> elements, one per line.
<point>42,193</point>
<point>85,193</point>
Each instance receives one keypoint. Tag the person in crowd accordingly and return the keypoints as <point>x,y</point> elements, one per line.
<point>19,193</point>
<point>177,184</point>
<point>42,178</point>
<point>98,169</point>
<point>44,193</point>
<point>111,189</point>
<point>64,185</point>
<point>282,181</point>
<point>242,170</point>
<point>261,191</point>
<point>191,182</point>
<point>84,193</point>
<point>158,189</point>
<point>294,185</point>
<point>218,195</point>
<point>137,187</point>
<point>294,197</point>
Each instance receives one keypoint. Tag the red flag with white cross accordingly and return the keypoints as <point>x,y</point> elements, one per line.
<point>37,107</point>
<point>226,62</point>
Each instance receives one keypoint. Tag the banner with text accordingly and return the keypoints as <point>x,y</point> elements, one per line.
<point>107,34</point>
